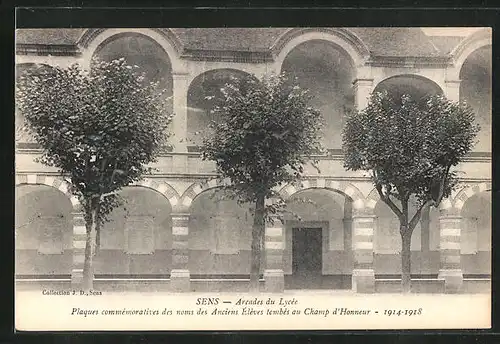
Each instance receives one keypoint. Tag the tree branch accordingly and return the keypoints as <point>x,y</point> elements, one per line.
<point>442,185</point>
<point>416,217</point>
<point>386,198</point>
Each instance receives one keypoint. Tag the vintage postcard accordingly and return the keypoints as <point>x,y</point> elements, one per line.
<point>166,252</point>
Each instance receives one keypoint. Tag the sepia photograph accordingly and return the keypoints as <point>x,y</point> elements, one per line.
<point>265,178</point>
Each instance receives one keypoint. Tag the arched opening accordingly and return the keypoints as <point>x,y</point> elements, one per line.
<point>203,93</point>
<point>417,87</point>
<point>137,239</point>
<point>143,52</point>
<point>22,137</point>
<point>43,231</point>
<point>327,71</point>
<point>317,250</point>
<point>476,234</point>
<point>475,89</point>
<point>220,235</point>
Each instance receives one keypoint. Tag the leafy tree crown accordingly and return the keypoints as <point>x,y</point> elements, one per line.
<point>410,145</point>
<point>265,131</point>
<point>99,127</point>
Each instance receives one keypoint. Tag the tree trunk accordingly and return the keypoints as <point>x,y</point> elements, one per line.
<point>88,269</point>
<point>405,260</point>
<point>257,236</point>
<point>97,233</point>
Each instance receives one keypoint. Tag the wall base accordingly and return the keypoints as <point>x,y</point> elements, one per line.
<point>274,281</point>
<point>76,278</point>
<point>180,281</point>
<point>363,281</point>
<point>453,280</point>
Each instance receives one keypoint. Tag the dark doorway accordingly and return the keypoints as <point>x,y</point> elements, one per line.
<point>306,257</point>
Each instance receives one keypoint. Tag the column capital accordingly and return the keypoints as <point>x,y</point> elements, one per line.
<point>180,75</point>
<point>180,216</point>
<point>363,82</point>
<point>450,216</point>
<point>455,82</point>
<point>363,215</point>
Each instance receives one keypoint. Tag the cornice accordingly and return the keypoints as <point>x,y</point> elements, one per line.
<point>409,61</point>
<point>333,154</point>
<point>227,56</point>
<point>44,50</point>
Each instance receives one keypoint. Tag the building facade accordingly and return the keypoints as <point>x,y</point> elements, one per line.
<point>173,233</point>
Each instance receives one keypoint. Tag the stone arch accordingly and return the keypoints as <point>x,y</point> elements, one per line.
<point>92,39</point>
<point>371,200</point>
<point>197,188</point>
<point>373,197</point>
<point>43,226</point>
<point>475,75</point>
<point>473,208</point>
<point>327,71</point>
<point>466,47</point>
<point>468,191</point>
<point>55,182</point>
<point>345,188</point>
<point>414,81</point>
<point>340,37</point>
<point>230,69</point>
<point>162,188</point>
<point>381,212</point>
<point>219,229</point>
<point>137,237</point>
<point>200,94</point>
<point>249,70</point>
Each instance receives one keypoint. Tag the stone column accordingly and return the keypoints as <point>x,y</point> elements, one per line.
<point>363,275</point>
<point>179,122</point>
<point>362,90</point>
<point>274,278</point>
<point>79,242</point>
<point>179,275</point>
<point>452,90</point>
<point>450,270</point>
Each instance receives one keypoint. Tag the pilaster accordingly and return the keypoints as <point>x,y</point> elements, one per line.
<point>79,242</point>
<point>452,90</point>
<point>179,275</point>
<point>363,275</point>
<point>362,91</point>
<point>449,246</point>
<point>274,280</point>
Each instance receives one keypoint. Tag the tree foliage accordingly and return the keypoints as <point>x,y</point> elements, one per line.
<point>264,134</point>
<point>100,128</point>
<point>410,147</point>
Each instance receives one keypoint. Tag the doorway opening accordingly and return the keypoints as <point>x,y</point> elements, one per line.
<point>307,250</point>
